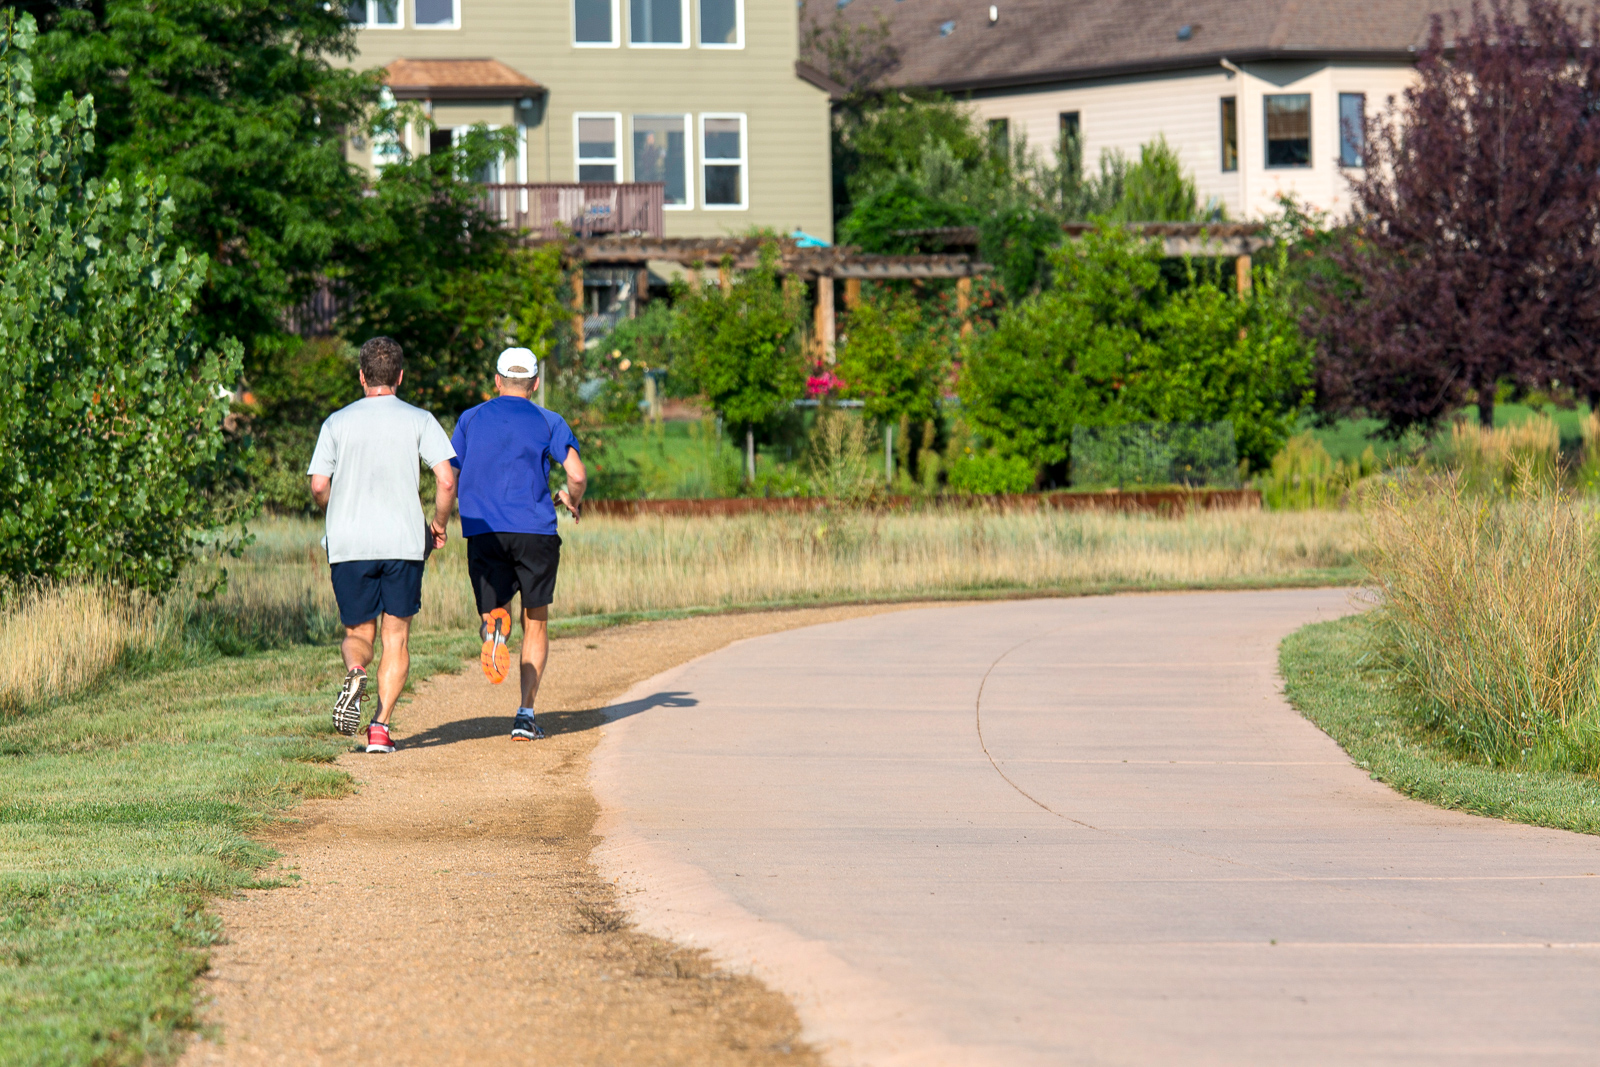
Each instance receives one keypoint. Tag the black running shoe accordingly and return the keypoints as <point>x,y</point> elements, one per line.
<point>526,728</point>
<point>347,706</point>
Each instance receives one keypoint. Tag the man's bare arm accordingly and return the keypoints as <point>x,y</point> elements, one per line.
<point>321,486</point>
<point>444,500</point>
<point>577,481</point>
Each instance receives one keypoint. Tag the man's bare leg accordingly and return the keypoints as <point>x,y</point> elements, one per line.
<point>356,650</point>
<point>395,666</point>
<point>535,650</point>
<point>357,645</point>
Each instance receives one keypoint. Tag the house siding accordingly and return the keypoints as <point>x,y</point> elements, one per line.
<point>790,185</point>
<point>1121,114</point>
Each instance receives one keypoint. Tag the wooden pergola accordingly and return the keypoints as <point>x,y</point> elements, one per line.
<point>1224,240</point>
<point>727,254</point>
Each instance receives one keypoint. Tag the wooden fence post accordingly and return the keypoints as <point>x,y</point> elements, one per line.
<point>852,292</point>
<point>964,302</point>
<point>1241,273</point>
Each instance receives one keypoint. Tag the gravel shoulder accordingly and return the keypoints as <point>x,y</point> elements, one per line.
<point>449,912</point>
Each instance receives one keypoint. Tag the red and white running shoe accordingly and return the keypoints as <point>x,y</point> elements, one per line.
<point>378,739</point>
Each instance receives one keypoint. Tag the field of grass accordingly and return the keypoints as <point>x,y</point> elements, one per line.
<point>122,811</point>
<point>634,567</point>
<point>1332,676</point>
<point>132,778</point>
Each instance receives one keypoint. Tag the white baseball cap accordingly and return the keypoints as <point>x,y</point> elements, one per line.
<point>518,363</point>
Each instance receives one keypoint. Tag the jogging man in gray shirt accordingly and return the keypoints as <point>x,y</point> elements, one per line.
<point>364,472</point>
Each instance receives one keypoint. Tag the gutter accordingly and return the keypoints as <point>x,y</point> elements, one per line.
<point>1163,66</point>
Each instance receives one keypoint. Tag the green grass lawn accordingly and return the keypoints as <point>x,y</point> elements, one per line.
<point>1329,678</point>
<point>123,810</point>
<point>1347,438</point>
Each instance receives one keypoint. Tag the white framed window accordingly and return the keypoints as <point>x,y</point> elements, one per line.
<point>663,152</point>
<point>596,138</point>
<point>436,14</point>
<point>374,14</point>
<point>595,24</point>
<point>725,163</point>
<point>721,23</point>
<point>658,23</point>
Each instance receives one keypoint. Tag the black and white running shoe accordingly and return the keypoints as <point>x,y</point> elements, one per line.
<point>525,727</point>
<point>347,706</point>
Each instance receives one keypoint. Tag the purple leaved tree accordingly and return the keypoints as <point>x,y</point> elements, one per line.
<point>1472,257</point>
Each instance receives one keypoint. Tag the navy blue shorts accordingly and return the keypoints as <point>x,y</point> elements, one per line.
<point>367,588</point>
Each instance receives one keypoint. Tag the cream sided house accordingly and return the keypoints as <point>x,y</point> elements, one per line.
<point>1259,97</point>
<point>671,118</point>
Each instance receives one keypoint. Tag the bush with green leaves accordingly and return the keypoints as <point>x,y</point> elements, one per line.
<point>1110,342</point>
<point>742,347</point>
<point>111,408</point>
<point>1151,454</point>
<point>989,472</point>
<point>891,359</point>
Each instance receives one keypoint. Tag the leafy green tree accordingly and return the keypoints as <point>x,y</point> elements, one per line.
<point>879,221</point>
<point>742,348</point>
<point>111,406</point>
<point>242,105</point>
<point>876,143</point>
<point>1155,189</point>
<point>891,361</point>
<point>1110,343</point>
<point>435,270</point>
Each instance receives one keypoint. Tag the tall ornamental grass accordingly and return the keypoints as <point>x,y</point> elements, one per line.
<point>1489,616</point>
<point>1504,459</point>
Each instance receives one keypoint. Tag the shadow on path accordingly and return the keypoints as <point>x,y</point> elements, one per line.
<point>554,722</point>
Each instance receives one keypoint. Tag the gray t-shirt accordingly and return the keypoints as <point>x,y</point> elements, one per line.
<point>370,451</point>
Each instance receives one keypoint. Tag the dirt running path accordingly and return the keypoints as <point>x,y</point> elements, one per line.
<point>449,914</point>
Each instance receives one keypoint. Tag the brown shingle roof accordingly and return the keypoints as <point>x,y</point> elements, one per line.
<point>457,79</point>
<point>1037,41</point>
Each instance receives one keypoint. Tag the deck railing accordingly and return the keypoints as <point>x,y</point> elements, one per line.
<point>552,210</point>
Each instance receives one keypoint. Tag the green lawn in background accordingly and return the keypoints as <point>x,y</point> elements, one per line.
<point>121,811</point>
<point>690,460</point>
<point>1329,678</point>
<point>1347,438</point>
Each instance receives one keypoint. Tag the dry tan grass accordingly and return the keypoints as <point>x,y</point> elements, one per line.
<point>279,591</point>
<point>656,564</point>
<point>1507,456</point>
<point>58,640</point>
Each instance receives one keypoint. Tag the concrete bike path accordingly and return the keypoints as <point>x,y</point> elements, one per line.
<point>1084,831</point>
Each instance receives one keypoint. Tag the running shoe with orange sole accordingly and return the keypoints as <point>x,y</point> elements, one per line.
<point>496,657</point>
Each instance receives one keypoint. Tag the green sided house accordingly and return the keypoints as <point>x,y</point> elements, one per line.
<point>661,118</point>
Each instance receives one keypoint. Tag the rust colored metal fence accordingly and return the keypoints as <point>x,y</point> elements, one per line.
<point>1158,501</point>
<point>552,210</point>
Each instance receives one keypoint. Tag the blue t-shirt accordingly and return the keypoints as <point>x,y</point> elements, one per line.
<point>504,448</point>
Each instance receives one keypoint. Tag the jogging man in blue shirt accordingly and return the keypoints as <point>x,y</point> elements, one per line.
<point>505,449</point>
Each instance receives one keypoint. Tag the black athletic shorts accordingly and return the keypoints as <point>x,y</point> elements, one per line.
<point>500,564</point>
